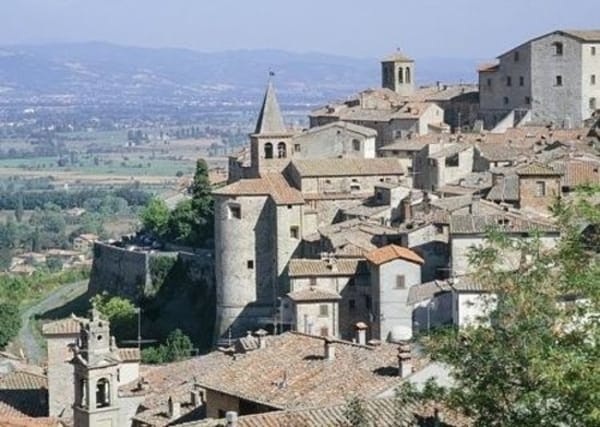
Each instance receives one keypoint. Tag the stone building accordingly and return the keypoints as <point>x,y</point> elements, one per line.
<point>391,114</point>
<point>393,270</point>
<point>260,221</point>
<point>554,77</point>
<point>539,187</point>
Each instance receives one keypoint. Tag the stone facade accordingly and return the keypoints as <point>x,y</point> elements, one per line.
<point>539,192</point>
<point>553,76</point>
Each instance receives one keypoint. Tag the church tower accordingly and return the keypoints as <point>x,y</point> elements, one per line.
<point>398,74</point>
<point>96,364</point>
<point>270,149</point>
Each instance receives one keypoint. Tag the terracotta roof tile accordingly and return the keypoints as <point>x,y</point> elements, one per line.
<point>299,377</point>
<point>378,412</point>
<point>390,252</point>
<point>321,267</point>
<point>348,167</point>
<point>271,184</point>
<point>535,169</point>
<point>24,393</point>
<point>67,326</point>
<point>508,222</point>
<point>313,294</point>
<point>130,354</point>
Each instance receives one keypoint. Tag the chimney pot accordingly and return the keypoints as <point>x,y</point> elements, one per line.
<point>261,334</point>
<point>174,409</point>
<point>405,365</point>
<point>361,333</point>
<point>231,419</point>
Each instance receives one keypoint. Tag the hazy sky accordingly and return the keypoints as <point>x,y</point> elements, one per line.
<point>363,28</point>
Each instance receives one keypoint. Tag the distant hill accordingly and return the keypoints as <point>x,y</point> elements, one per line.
<point>102,71</point>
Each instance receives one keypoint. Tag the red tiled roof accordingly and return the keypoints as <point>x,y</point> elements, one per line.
<point>390,252</point>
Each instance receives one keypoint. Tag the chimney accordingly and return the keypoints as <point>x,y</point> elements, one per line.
<point>404,361</point>
<point>195,399</point>
<point>406,209</point>
<point>231,419</point>
<point>474,208</point>
<point>261,334</point>
<point>174,409</point>
<point>361,333</point>
<point>329,348</point>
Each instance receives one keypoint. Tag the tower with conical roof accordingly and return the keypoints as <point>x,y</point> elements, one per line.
<point>398,73</point>
<point>270,142</point>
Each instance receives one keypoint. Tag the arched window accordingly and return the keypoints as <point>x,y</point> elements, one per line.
<point>558,48</point>
<point>400,75</point>
<point>268,150</point>
<point>407,74</point>
<point>356,145</point>
<point>102,393</point>
<point>281,150</point>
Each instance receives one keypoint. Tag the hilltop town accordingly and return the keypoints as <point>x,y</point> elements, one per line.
<point>337,247</point>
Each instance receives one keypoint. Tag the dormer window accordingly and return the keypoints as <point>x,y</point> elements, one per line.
<point>558,48</point>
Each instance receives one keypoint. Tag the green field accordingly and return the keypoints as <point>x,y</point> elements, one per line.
<point>109,165</point>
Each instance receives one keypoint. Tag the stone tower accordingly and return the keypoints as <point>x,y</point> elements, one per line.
<point>398,74</point>
<point>96,364</point>
<point>270,148</point>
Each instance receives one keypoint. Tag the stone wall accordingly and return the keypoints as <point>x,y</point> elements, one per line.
<point>119,271</point>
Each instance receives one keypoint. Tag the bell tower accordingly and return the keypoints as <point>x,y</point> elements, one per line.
<point>398,73</point>
<point>270,148</point>
<point>96,364</point>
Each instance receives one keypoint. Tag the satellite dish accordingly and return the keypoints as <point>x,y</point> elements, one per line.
<point>400,334</point>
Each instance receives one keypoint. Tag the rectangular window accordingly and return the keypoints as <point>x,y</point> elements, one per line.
<point>489,82</point>
<point>323,310</point>
<point>297,148</point>
<point>521,81</point>
<point>354,187</point>
<point>540,189</point>
<point>400,281</point>
<point>516,56</point>
<point>250,264</point>
<point>593,105</point>
<point>312,282</point>
<point>506,100</point>
<point>452,161</point>
<point>527,100</point>
<point>558,81</point>
<point>508,81</point>
<point>235,211</point>
<point>368,302</point>
<point>294,232</point>
<point>593,50</point>
<point>593,79</point>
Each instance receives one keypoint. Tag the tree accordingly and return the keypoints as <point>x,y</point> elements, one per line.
<point>354,413</point>
<point>182,221</point>
<point>121,313</point>
<point>10,322</point>
<point>179,346</point>
<point>202,203</point>
<point>19,208</point>
<point>535,360</point>
<point>155,217</point>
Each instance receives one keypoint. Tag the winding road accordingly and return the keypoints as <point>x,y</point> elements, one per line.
<point>26,338</point>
